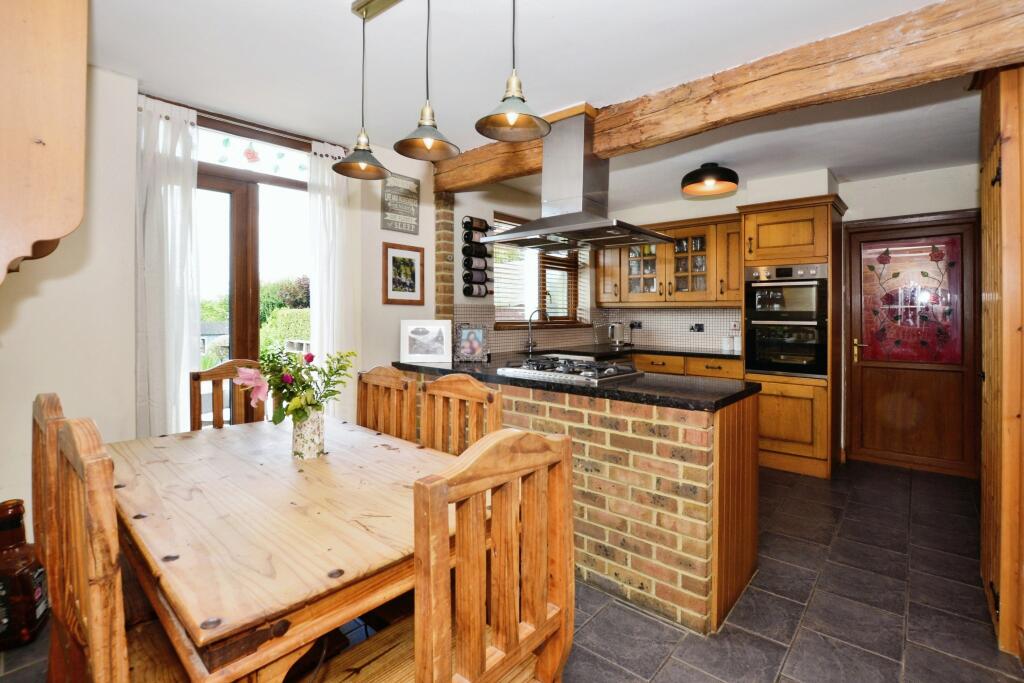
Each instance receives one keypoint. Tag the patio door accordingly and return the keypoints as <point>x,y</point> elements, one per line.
<point>913,390</point>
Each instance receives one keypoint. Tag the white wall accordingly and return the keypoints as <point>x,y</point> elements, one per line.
<point>381,323</point>
<point>942,189</point>
<point>483,204</point>
<point>67,321</point>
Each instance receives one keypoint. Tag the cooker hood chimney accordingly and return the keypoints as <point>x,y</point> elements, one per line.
<point>574,198</point>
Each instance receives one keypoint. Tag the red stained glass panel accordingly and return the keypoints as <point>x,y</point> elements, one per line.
<point>912,294</point>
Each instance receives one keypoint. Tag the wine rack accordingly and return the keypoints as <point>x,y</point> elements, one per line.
<point>477,259</point>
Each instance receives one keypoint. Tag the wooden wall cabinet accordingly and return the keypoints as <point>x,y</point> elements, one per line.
<point>643,273</point>
<point>729,255</point>
<point>608,276</point>
<point>797,231</point>
<point>690,264</point>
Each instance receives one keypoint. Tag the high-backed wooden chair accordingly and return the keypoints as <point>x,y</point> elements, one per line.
<point>386,402</point>
<point>530,601</point>
<point>457,411</point>
<point>47,417</point>
<point>92,643</point>
<point>226,371</point>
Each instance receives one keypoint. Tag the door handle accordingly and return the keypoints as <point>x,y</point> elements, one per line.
<point>856,349</point>
<point>721,286</point>
<point>615,288</point>
<point>657,362</point>
<point>750,245</point>
<point>661,289</point>
<point>670,288</point>
<point>712,367</point>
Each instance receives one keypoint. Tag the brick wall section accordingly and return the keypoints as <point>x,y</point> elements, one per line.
<point>444,255</point>
<point>642,496</point>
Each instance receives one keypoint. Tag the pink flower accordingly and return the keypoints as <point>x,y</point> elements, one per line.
<point>250,378</point>
<point>287,379</point>
<point>309,357</point>
<point>884,258</point>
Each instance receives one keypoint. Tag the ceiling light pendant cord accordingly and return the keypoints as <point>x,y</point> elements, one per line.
<point>362,95</point>
<point>513,35</point>
<point>426,60</point>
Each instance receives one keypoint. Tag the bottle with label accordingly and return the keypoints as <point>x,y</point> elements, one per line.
<point>476,250</point>
<point>477,290</point>
<point>472,236</point>
<point>477,263</point>
<point>24,605</point>
<point>472,223</point>
<point>475,277</point>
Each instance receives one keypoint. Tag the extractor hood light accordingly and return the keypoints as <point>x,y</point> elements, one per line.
<point>426,143</point>
<point>710,179</point>
<point>360,162</point>
<point>512,120</point>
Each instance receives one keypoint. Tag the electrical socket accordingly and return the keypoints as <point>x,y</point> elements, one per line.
<point>697,327</point>
<point>636,325</point>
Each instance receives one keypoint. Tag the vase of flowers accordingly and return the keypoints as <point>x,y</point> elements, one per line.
<point>300,390</point>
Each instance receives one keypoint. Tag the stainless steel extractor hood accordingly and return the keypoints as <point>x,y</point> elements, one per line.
<point>574,198</point>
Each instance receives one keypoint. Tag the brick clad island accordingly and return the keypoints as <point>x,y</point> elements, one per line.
<point>665,497</point>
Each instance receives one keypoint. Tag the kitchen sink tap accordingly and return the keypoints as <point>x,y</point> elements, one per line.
<point>530,344</point>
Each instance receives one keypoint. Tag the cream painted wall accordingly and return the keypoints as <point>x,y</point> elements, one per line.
<point>67,321</point>
<point>381,323</point>
<point>942,189</point>
<point>483,204</point>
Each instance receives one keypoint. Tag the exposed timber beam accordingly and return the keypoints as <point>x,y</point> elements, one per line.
<point>939,41</point>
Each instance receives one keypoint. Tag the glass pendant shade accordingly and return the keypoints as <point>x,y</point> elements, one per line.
<point>426,143</point>
<point>710,179</point>
<point>513,120</point>
<point>360,162</point>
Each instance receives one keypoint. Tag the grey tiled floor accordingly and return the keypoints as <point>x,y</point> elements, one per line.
<point>872,576</point>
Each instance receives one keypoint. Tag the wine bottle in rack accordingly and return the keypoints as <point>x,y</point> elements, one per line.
<point>472,236</point>
<point>476,250</point>
<point>471,223</point>
<point>477,290</point>
<point>477,263</point>
<point>476,277</point>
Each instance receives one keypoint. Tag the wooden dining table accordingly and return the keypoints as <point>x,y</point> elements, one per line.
<point>248,555</point>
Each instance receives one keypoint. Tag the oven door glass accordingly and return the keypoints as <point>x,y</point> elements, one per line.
<point>787,348</point>
<point>800,300</point>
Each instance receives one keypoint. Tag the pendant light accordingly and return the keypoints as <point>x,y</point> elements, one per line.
<point>710,179</point>
<point>426,142</point>
<point>360,162</point>
<point>513,121</point>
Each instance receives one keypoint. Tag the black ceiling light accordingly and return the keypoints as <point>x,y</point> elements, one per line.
<point>710,179</point>
<point>360,162</point>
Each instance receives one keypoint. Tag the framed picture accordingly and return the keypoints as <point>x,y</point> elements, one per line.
<point>401,274</point>
<point>470,342</point>
<point>426,341</point>
<point>400,204</point>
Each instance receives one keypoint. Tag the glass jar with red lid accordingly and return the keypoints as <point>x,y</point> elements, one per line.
<point>23,600</point>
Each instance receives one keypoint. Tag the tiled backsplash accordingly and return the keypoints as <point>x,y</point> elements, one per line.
<point>660,327</point>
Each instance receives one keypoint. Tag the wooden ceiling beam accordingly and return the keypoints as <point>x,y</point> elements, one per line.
<point>944,40</point>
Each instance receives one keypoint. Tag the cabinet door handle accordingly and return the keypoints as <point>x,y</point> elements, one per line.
<point>661,289</point>
<point>721,286</point>
<point>670,288</point>
<point>712,367</point>
<point>615,288</point>
<point>750,245</point>
<point>657,362</point>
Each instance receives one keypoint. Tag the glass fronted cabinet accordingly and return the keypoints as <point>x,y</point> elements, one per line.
<point>643,275</point>
<point>691,265</point>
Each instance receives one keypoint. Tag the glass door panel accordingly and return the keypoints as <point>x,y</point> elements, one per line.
<point>690,263</point>
<point>285,264</point>
<point>643,273</point>
<point>213,234</point>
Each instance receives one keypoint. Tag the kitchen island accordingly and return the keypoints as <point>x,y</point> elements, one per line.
<point>665,481</point>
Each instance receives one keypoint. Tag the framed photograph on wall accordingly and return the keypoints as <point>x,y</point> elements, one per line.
<point>426,341</point>
<point>470,342</point>
<point>400,204</point>
<point>401,274</point>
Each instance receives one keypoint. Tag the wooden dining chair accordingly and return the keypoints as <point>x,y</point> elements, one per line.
<point>226,371</point>
<point>528,634</point>
<point>92,643</point>
<point>47,417</point>
<point>457,411</point>
<point>386,402</point>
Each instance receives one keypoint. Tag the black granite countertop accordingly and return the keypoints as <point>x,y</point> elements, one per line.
<point>607,351</point>
<point>671,391</point>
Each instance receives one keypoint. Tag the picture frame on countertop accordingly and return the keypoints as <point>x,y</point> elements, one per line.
<point>425,341</point>
<point>471,343</point>
<point>401,274</point>
<point>400,204</point>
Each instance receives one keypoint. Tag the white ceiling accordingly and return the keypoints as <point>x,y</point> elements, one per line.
<point>295,65</point>
<point>932,126</point>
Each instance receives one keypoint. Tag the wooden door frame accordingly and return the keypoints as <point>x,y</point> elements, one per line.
<point>911,226</point>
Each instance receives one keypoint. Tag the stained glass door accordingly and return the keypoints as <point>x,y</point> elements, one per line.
<point>692,264</point>
<point>913,389</point>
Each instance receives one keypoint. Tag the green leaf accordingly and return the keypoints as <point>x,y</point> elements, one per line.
<point>897,342</point>
<point>226,142</point>
<point>951,264</point>
<point>871,268</point>
<point>875,311</point>
<point>895,275</point>
<point>925,273</point>
<point>278,417</point>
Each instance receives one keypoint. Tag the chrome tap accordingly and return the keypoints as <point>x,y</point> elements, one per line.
<point>530,344</point>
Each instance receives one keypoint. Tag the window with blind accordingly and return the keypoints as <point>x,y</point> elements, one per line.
<point>526,280</point>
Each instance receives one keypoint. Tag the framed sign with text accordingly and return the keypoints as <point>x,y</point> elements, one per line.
<point>400,204</point>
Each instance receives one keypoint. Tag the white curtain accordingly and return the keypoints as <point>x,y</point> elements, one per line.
<point>334,286</point>
<point>167,279</point>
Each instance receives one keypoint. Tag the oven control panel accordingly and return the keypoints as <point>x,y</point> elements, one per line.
<point>803,271</point>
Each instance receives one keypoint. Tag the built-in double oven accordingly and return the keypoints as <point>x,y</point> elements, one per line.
<point>787,319</point>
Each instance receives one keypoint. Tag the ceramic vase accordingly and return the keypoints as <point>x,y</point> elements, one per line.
<point>308,436</point>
